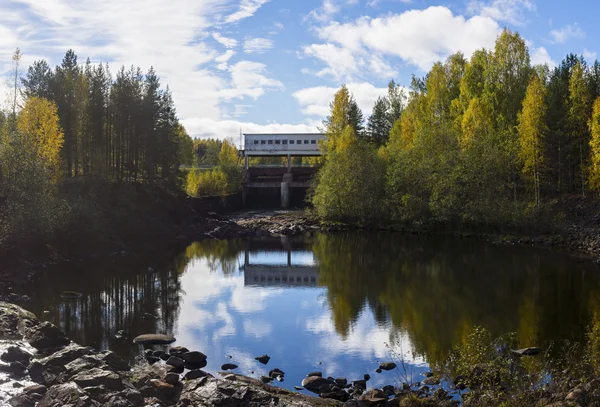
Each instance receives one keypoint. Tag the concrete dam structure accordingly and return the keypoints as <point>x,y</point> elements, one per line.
<point>287,179</point>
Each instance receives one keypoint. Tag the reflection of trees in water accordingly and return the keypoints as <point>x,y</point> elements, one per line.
<point>115,295</point>
<point>438,289</point>
<point>219,254</point>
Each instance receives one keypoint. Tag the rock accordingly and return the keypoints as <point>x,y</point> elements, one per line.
<point>17,369</point>
<point>356,403</point>
<point>441,394</point>
<point>431,381</point>
<point>165,356</point>
<point>378,370</point>
<point>315,383</point>
<point>152,359</point>
<point>360,384</point>
<point>16,354</point>
<point>176,369</point>
<point>339,395</point>
<point>266,379</point>
<point>21,400</point>
<point>70,295</point>
<point>14,297</point>
<point>148,352</point>
<point>158,353</point>
<point>276,372</point>
<point>46,336</point>
<point>315,374</point>
<point>389,390</point>
<point>298,388</point>
<point>194,366</point>
<point>25,298</point>
<point>36,388</point>
<point>374,394</point>
<point>172,378</point>
<point>264,359</point>
<point>229,366</point>
<point>527,352</point>
<point>195,374</point>
<point>161,385</point>
<point>98,377</point>
<point>229,376</point>
<point>194,357</point>
<point>153,339</point>
<point>342,381</point>
<point>366,377</point>
<point>65,394</point>
<point>178,350</point>
<point>387,366</point>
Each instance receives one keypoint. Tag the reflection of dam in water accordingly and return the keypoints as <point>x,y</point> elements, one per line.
<point>287,264</point>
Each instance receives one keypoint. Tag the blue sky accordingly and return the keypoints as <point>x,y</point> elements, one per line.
<point>273,65</point>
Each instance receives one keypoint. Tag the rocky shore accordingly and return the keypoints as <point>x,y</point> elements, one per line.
<point>41,367</point>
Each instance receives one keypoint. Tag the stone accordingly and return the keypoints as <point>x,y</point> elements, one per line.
<point>366,377</point>
<point>195,374</point>
<point>16,354</point>
<point>175,369</point>
<point>172,378</point>
<point>152,359</point>
<point>14,297</point>
<point>264,359</point>
<point>176,350</point>
<point>158,353</point>
<point>276,372</point>
<point>65,394</point>
<point>36,388</point>
<point>339,395</point>
<point>194,366</point>
<point>194,357</point>
<point>165,356</point>
<point>266,379</point>
<point>176,362</point>
<point>316,374</point>
<point>298,388</point>
<point>356,403</point>
<point>431,381</point>
<point>229,366</point>
<point>387,365</point>
<point>360,384</point>
<point>21,400</point>
<point>342,381</point>
<point>161,385</point>
<point>98,377</point>
<point>527,351</point>
<point>153,339</point>
<point>17,369</point>
<point>47,336</point>
<point>314,383</point>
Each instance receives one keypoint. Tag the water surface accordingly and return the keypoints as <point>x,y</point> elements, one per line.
<point>335,303</point>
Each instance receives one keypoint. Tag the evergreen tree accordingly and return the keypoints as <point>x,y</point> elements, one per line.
<point>594,126</point>
<point>379,126</point>
<point>579,113</point>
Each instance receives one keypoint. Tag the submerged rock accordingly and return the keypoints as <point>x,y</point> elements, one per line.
<point>387,366</point>
<point>315,383</point>
<point>153,339</point>
<point>229,366</point>
<point>264,359</point>
<point>194,357</point>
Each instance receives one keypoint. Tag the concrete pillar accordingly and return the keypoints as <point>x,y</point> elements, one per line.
<point>246,165</point>
<point>246,257</point>
<point>285,195</point>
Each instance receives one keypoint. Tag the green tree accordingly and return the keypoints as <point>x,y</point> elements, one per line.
<point>532,129</point>
<point>186,147</point>
<point>378,126</point>
<point>579,113</point>
<point>594,125</point>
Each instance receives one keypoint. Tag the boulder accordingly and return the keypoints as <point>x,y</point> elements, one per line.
<point>315,383</point>
<point>46,336</point>
<point>172,378</point>
<point>153,339</point>
<point>98,377</point>
<point>16,354</point>
<point>264,359</point>
<point>316,374</point>
<point>341,381</point>
<point>387,365</point>
<point>229,366</point>
<point>194,357</point>
<point>65,394</point>
<point>177,350</point>
<point>360,384</point>
<point>152,359</point>
<point>176,362</point>
<point>431,381</point>
<point>195,374</point>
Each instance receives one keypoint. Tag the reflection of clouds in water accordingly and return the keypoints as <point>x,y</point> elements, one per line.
<point>250,299</point>
<point>257,328</point>
<point>228,328</point>
<point>366,340</point>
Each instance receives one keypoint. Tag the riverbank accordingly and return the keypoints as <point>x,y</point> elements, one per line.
<point>42,367</point>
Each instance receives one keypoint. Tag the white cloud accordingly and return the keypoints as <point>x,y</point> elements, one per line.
<point>324,13</point>
<point>257,45</point>
<point>590,56</point>
<point>315,101</point>
<point>510,11</point>
<point>540,56</point>
<point>246,9</point>
<point>225,41</point>
<point>567,32</point>
<point>248,79</point>
<point>202,127</point>
<point>403,35</point>
<point>226,56</point>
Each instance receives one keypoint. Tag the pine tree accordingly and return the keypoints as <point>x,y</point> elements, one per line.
<point>594,126</point>
<point>579,113</point>
<point>379,126</point>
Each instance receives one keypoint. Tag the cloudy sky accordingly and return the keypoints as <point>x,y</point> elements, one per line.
<point>273,65</point>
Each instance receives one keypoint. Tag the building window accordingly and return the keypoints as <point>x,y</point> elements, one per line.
<point>283,141</point>
<point>299,142</point>
<point>305,141</point>
<point>262,142</point>
<point>313,142</point>
<point>291,141</point>
<point>277,141</point>
<point>255,141</point>
<point>270,141</point>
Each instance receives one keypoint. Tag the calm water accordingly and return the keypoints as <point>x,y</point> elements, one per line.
<point>334,303</point>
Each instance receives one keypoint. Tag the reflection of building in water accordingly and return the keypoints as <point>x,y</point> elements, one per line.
<point>283,267</point>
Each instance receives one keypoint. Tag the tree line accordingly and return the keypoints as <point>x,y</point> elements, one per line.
<point>489,140</point>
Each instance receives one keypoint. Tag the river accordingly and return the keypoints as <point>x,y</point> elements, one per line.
<point>337,303</point>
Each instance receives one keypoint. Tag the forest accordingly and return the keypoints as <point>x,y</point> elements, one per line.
<point>490,143</point>
<point>79,127</point>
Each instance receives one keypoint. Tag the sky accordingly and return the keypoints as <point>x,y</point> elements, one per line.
<point>274,65</point>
